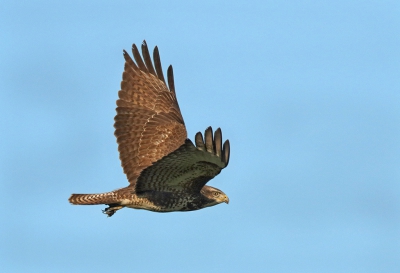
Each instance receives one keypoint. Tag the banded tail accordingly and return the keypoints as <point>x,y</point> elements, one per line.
<point>93,199</point>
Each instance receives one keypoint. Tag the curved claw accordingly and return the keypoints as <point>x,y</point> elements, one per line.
<point>111,210</point>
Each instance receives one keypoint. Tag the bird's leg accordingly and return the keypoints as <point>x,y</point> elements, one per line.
<point>111,209</point>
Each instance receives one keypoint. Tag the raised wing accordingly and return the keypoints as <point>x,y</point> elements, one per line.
<point>188,168</point>
<point>149,123</point>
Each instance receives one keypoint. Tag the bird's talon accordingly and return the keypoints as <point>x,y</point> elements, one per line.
<point>111,210</point>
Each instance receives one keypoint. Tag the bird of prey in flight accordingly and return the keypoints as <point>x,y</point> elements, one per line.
<point>165,170</point>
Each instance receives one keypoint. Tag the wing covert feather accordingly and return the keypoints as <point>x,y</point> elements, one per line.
<point>187,169</point>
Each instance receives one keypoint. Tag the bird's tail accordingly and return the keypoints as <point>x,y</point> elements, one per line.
<point>93,199</point>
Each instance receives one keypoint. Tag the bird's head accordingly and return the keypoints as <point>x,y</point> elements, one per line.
<point>214,196</point>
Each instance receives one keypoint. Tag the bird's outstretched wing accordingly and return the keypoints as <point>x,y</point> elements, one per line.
<point>188,168</point>
<point>149,124</point>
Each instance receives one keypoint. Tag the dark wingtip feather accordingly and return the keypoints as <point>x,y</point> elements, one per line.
<point>129,60</point>
<point>170,76</point>
<point>157,64</point>
<point>199,141</point>
<point>208,135</point>
<point>147,58</point>
<point>138,58</point>
<point>226,152</point>
<point>218,142</point>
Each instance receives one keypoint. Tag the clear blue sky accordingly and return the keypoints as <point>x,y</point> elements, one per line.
<point>308,93</point>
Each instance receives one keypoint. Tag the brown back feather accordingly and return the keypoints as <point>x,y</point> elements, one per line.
<point>149,123</point>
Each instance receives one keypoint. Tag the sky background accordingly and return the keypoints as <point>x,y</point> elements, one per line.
<point>307,92</point>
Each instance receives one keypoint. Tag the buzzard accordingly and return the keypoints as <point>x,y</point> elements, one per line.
<point>165,170</point>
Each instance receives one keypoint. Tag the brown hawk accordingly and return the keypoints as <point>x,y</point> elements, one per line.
<point>165,170</point>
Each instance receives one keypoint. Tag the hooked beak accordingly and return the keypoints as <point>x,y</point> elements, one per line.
<point>226,199</point>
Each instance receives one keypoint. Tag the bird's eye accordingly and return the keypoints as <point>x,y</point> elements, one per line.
<point>216,193</point>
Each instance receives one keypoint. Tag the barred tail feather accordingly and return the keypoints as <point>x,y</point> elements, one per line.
<point>93,199</point>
